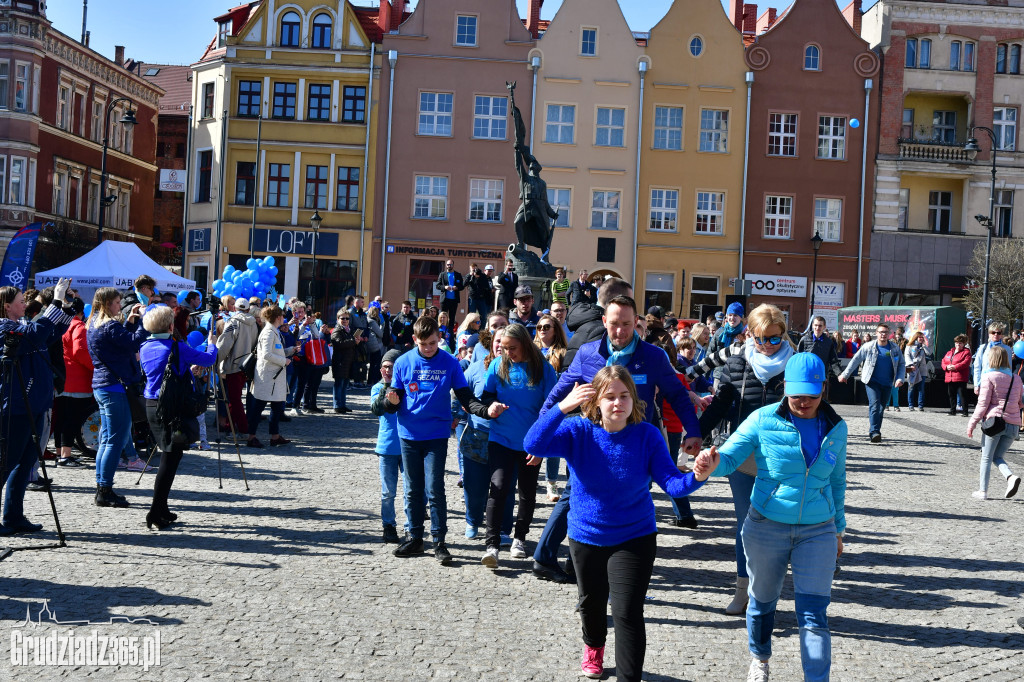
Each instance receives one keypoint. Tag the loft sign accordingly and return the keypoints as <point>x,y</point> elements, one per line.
<point>297,242</point>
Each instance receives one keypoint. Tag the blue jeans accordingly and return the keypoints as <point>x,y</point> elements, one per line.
<point>680,505</point>
<point>292,377</point>
<point>390,466</point>
<point>551,465</point>
<point>554,531</point>
<point>916,397</point>
<point>480,306</point>
<point>742,486</point>
<point>992,450</point>
<point>811,551</point>
<point>340,392</point>
<point>423,473</point>
<point>115,433</point>
<point>878,396</point>
<point>21,462</point>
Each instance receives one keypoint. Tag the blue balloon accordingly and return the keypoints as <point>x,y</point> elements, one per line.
<point>273,269</point>
<point>854,123</point>
<point>218,284</point>
<point>269,260</point>
<point>250,263</point>
<point>195,338</point>
<point>1018,349</point>
<point>229,269</point>
<point>181,297</point>
<point>88,309</point>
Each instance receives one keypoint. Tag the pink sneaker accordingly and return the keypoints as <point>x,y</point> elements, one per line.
<point>137,465</point>
<point>593,662</point>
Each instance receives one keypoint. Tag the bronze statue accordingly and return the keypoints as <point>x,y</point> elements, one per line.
<point>534,220</point>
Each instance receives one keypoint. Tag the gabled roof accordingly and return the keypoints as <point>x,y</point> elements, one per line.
<point>176,82</point>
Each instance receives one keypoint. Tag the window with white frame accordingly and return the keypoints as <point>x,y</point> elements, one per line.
<point>490,117</point>
<point>22,83</point>
<point>954,55</point>
<point>604,210</point>
<point>3,178</point>
<point>1003,207</point>
<point>782,134</point>
<point>97,120</point>
<point>93,207</point>
<point>714,130</point>
<point>778,217</point>
<point>828,218</point>
<point>588,42</point>
<point>124,198</point>
<point>710,212</point>
<point>658,289</point>
<point>4,78</point>
<point>944,126</point>
<point>904,209</point>
<point>940,211</point>
<point>1004,124</point>
<point>832,137</point>
<point>703,291</point>
<point>668,128</point>
<point>560,125</point>
<point>560,199</point>
<point>611,127</point>
<point>19,181</point>
<point>924,60</point>
<point>465,30</point>
<point>436,113</point>
<point>664,210</point>
<point>812,58</point>
<point>60,192</point>
<point>431,200</point>
<point>485,198</point>
<point>64,107</point>
<point>968,56</point>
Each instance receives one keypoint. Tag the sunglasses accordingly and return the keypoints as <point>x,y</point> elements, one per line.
<point>804,398</point>
<point>770,340</point>
<point>996,333</point>
<point>544,327</point>
<point>344,318</point>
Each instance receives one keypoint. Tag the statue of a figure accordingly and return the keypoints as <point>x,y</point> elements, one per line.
<point>534,226</point>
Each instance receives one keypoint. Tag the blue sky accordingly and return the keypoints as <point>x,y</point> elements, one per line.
<point>177,33</point>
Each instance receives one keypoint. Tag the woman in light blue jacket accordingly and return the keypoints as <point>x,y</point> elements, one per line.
<point>796,517</point>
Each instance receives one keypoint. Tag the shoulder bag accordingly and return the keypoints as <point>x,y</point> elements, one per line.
<point>993,426</point>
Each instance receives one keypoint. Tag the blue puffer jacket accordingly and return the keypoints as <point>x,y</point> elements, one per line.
<point>786,489</point>
<point>33,354</point>
<point>112,347</point>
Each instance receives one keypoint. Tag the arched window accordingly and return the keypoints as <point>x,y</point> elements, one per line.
<point>290,24</point>
<point>812,58</point>
<point>322,31</point>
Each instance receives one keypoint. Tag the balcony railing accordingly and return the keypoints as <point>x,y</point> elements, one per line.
<point>926,150</point>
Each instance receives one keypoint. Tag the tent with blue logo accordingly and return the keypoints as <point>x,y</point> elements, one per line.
<point>113,264</point>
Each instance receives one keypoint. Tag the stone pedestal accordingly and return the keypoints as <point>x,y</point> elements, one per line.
<point>533,272</point>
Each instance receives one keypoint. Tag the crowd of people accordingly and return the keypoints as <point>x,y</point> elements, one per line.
<point>625,397</point>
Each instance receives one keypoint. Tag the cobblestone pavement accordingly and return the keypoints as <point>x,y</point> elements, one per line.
<point>289,580</point>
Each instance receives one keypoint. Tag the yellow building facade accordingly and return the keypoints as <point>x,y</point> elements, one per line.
<point>691,169</point>
<point>283,118</point>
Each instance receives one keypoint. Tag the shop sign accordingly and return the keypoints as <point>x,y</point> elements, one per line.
<point>297,242</point>
<point>778,285</point>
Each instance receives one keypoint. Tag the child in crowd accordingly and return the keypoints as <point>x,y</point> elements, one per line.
<point>389,447</point>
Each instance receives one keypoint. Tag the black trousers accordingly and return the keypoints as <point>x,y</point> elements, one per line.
<point>169,462</point>
<point>254,413</point>
<point>502,462</point>
<point>450,306</point>
<point>308,384</point>
<point>622,572</point>
<point>954,388</point>
<point>69,414</point>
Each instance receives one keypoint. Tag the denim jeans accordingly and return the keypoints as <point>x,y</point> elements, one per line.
<point>480,306</point>
<point>992,450</point>
<point>680,505</point>
<point>390,467</point>
<point>254,414</point>
<point>476,481</point>
<point>551,465</point>
<point>340,392</point>
<point>554,531</point>
<point>115,433</point>
<point>292,377</point>
<point>916,397</point>
<point>742,486</point>
<point>21,462</point>
<point>773,547</point>
<point>423,474</point>
<point>878,396</point>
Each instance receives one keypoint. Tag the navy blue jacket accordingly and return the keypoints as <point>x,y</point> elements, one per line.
<point>112,347</point>
<point>649,368</point>
<point>33,352</point>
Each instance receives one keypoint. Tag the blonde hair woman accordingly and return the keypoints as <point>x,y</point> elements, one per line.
<point>999,395</point>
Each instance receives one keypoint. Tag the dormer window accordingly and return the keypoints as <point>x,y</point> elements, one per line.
<point>465,30</point>
<point>290,24</point>
<point>322,32</point>
<point>223,31</point>
<point>812,58</point>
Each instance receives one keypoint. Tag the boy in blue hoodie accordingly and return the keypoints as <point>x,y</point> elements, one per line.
<point>389,447</point>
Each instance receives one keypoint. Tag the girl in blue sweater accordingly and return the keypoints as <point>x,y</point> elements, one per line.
<point>612,455</point>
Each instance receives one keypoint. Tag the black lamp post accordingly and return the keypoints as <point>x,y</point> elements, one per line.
<point>127,119</point>
<point>972,149</point>
<point>314,221</point>
<point>816,241</point>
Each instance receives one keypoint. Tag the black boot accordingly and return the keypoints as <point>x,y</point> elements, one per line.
<point>391,535</point>
<point>106,497</point>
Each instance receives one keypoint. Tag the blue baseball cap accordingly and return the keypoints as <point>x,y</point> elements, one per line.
<point>805,374</point>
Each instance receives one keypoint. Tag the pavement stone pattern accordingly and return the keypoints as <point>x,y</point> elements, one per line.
<point>290,579</point>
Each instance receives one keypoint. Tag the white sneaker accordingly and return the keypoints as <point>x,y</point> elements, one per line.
<point>553,492</point>
<point>137,465</point>
<point>758,671</point>
<point>490,558</point>
<point>979,495</point>
<point>1012,486</point>
<point>292,413</point>
<point>518,550</point>
<point>205,445</point>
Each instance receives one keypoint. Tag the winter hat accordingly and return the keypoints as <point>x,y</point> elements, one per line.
<point>391,356</point>
<point>735,308</point>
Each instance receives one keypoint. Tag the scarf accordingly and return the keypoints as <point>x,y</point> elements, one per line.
<point>143,299</point>
<point>767,366</point>
<point>622,357</point>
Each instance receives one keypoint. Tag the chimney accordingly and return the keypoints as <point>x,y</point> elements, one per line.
<point>119,55</point>
<point>384,16</point>
<point>736,14</point>
<point>749,19</point>
<point>853,14</point>
<point>533,22</point>
<point>767,20</point>
<point>397,11</point>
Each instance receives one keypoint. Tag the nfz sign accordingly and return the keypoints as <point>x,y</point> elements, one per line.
<point>299,242</point>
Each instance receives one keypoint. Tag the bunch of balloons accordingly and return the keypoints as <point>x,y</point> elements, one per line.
<point>259,277</point>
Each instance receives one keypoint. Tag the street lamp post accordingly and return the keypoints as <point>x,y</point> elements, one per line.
<point>972,149</point>
<point>816,241</point>
<point>105,201</point>
<point>314,221</point>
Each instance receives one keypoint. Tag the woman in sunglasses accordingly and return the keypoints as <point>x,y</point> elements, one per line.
<point>550,338</point>
<point>752,377</point>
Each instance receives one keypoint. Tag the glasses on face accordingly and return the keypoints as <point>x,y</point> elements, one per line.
<point>344,318</point>
<point>767,340</point>
<point>544,327</point>
<point>995,333</point>
<point>803,398</point>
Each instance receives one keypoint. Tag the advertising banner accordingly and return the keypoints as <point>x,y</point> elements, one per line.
<point>828,299</point>
<point>172,180</point>
<point>778,285</point>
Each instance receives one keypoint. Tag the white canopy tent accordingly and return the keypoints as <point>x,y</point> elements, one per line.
<point>114,264</point>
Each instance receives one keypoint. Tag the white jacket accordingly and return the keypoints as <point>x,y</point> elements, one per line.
<point>271,380</point>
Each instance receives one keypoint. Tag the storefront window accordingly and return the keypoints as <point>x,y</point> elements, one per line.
<point>335,279</point>
<point>423,275</point>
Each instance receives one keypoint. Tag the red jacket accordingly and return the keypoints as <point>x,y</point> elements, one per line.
<point>668,417</point>
<point>77,361</point>
<point>961,365</point>
<point>851,348</point>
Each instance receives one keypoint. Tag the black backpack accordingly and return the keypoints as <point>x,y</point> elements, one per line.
<point>178,397</point>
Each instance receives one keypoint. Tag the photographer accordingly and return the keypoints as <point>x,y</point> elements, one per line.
<point>28,345</point>
<point>481,290</point>
<point>155,355</point>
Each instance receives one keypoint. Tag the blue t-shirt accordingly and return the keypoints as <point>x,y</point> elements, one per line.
<point>884,373</point>
<point>476,377</point>
<point>425,413</point>
<point>449,293</point>
<point>524,401</point>
<point>810,437</point>
<point>387,433</point>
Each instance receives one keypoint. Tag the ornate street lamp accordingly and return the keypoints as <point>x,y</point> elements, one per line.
<point>816,241</point>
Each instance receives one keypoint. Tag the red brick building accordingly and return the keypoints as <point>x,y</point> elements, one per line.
<point>54,95</point>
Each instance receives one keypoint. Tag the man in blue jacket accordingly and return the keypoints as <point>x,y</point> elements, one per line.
<point>650,369</point>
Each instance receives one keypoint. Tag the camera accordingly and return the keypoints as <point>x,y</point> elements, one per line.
<point>11,343</point>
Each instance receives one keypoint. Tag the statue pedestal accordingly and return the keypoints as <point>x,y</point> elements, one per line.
<point>534,273</point>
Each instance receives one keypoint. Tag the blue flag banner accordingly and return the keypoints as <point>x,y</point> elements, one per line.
<point>18,259</point>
